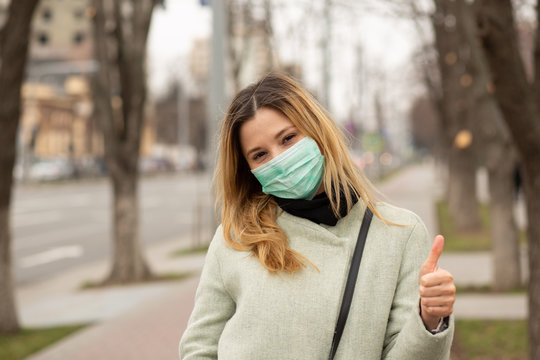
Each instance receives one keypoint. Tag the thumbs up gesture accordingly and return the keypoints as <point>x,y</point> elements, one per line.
<point>436,287</point>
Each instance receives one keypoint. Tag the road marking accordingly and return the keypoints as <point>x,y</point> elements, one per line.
<point>67,202</point>
<point>23,220</point>
<point>56,237</point>
<point>64,252</point>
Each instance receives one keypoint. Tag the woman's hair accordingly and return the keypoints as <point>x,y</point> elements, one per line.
<point>248,215</point>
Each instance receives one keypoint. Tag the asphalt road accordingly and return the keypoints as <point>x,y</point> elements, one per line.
<point>56,227</point>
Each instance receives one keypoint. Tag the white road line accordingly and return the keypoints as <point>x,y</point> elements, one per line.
<point>23,219</point>
<point>73,201</point>
<point>65,252</point>
<point>52,237</point>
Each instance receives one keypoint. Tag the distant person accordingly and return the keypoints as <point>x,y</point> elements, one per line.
<point>292,206</point>
<point>517,179</point>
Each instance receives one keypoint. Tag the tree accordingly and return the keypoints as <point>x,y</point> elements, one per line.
<point>424,124</point>
<point>498,152</point>
<point>14,37</point>
<point>120,35</point>
<point>519,102</point>
<point>247,34</point>
<point>457,113</point>
<point>494,145</point>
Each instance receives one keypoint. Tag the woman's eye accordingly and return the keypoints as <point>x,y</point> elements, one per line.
<point>258,155</point>
<point>288,138</point>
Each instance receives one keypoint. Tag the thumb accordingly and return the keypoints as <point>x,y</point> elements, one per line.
<point>430,265</point>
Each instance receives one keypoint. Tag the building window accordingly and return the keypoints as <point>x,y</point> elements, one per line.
<point>46,15</point>
<point>43,39</point>
<point>78,38</point>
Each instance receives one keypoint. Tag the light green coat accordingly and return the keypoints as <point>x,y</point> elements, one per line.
<point>243,312</point>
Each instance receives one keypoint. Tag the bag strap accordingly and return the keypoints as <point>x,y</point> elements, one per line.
<point>351,281</point>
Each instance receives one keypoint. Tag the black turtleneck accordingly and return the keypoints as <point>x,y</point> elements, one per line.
<point>318,209</point>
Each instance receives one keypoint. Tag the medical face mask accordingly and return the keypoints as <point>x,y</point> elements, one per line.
<point>296,173</point>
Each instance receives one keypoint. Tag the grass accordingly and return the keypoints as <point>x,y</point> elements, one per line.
<point>201,249</point>
<point>29,341</point>
<point>487,289</point>
<point>479,240</point>
<point>492,339</point>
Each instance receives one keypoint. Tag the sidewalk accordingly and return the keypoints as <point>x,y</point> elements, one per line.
<point>146,321</point>
<point>416,188</point>
<point>129,322</point>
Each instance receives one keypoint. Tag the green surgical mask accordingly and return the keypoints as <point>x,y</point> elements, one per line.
<point>296,173</point>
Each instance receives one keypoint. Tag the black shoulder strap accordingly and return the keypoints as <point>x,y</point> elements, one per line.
<point>351,281</point>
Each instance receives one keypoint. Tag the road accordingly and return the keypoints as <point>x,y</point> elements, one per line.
<point>59,226</point>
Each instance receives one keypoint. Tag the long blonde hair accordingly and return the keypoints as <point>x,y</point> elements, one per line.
<point>248,215</point>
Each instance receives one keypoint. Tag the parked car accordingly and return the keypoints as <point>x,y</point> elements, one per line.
<point>51,169</point>
<point>154,165</point>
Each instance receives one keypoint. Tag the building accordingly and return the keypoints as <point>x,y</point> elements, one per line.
<point>62,30</point>
<point>58,118</point>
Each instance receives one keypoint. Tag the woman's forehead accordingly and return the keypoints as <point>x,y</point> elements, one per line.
<point>266,124</point>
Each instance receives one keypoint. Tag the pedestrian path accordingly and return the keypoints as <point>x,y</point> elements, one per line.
<point>146,321</point>
<point>491,306</point>
<point>60,301</point>
<point>150,331</point>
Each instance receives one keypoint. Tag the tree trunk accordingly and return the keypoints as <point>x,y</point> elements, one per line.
<point>500,158</point>
<point>518,103</point>
<point>128,262</point>
<point>458,107</point>
<point>462,198</point>
<point>499,155</point>
<point>13,54</point>
<point>120,95</point>
<point>506,254</point>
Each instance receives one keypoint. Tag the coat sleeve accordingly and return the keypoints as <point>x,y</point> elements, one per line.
<point>406,336</point>
<point>213,308</point>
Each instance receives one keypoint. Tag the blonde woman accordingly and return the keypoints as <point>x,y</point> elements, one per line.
<point>292,205</point>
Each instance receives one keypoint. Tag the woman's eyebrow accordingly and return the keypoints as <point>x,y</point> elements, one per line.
<point>284,130</point>
<point>252,150</point>
<point>278,135</point>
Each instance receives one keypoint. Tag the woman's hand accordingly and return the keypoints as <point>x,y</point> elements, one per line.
<point>436,287</point>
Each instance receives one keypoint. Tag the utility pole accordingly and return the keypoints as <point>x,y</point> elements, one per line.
<point>359,95</point>
<point>183,119</point>
<point>216,104</point>
<point>217,77</point>
<point>326,48</point>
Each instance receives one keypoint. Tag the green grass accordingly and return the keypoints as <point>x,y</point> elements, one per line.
<point>487,289</point>
<point>479,240</point>
<point>492,339</point>
<point>201,249</point>
<point>29,341</point>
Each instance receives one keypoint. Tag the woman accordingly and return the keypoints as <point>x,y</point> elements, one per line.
<point>292,204</point>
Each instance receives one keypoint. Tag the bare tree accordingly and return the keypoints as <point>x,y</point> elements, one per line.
<point>519,102</point>
<point>424,122</point>
<point>14,38</point>
<point>244,30</point>
<point>457,113</point>
<point>120,32</point>
<point>239,26</point>
<point>494,144</point>
<point>498,152</point>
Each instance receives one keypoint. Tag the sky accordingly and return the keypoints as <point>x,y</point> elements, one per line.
<point>385,43</point>
<point>172,31</point>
